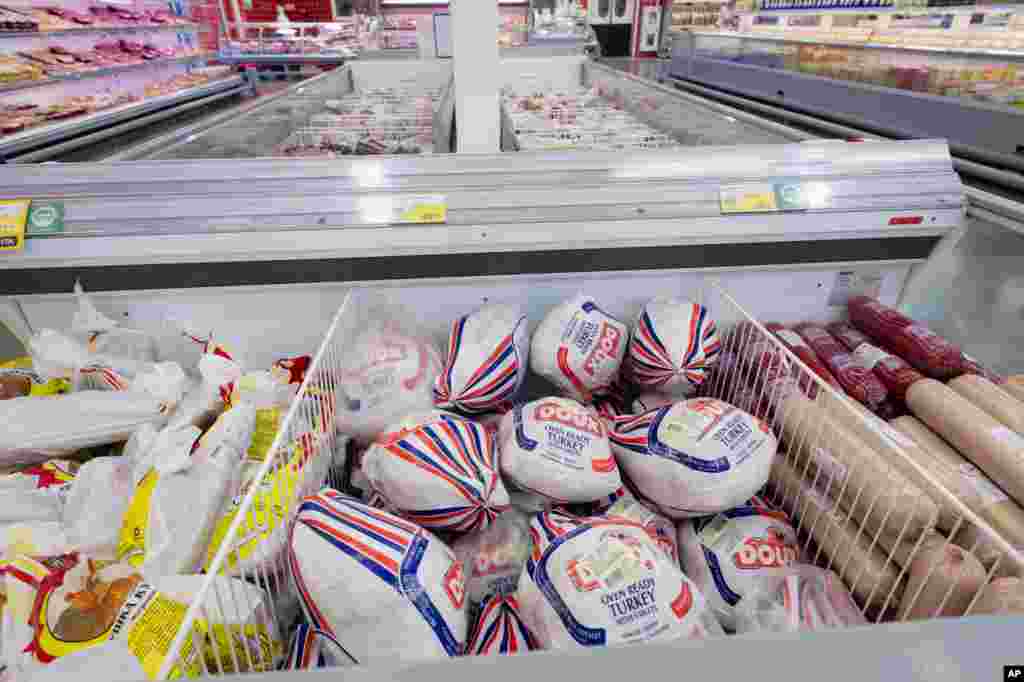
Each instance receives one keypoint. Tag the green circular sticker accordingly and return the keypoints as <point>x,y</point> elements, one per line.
<point>44,217</point>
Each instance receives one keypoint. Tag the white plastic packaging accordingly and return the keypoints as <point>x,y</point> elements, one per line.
<point>439,470</point>
<point>558,449</point>
<point>310,648</point>
<point>734,554</point>
<point>673,346</point>
<point>579,348</point>
<point>176,503</point>
<point>801,597</point>
<point>695,457</point>
<point>645,402</point>
<point>40,428</point>
<point>386,374</point>
<point>384,588</point>
<point>36,493</point>
<point>499,629</point>
<point>204,401</point>
<point>494,556</point>
<point>661,529</point>
<point>603,581</point>
<point>486,360</point>
<point>96,502</point>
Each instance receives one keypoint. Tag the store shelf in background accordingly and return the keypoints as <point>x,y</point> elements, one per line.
<point>99,29</point>
<point>34,138</point>
<point>99,73</point>
<point>971,9</point>
<point>283,58</point>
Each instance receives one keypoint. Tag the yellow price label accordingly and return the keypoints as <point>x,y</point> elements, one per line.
<point>13,216</point>
<point>434,212</point>
<point>748,199</point>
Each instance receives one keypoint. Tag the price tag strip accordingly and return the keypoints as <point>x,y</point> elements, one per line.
<point>773,197</point>
<point>386,210</point>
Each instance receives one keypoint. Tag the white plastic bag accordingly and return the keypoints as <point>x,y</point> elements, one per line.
<point>311,648</point>
<point>37,429</point>
<point>800,597</point>
<point>96,502</point>
<point>735,553</point>
<point>673,346</point>
<point>439,470</point>
<point>695,457</point>
<point>558,449</point>
<point>387,373</point>
<point>384,588</point>
<point>498,628</point>
<point>661,529</point>
<point>36,493</point>
<point>579,348</point>
<point>486,360</point>
<point>603,581</point>
<point>204,401</point>
<point>174,508</point>
<point>494,556</point>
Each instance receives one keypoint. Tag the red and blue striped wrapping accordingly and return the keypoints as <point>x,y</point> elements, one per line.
<point>356,568</point>
<point>440,471</point>
<point>311,648</point>
<point>486,361</point>
<point>499,629</point>
<point>673,346</point>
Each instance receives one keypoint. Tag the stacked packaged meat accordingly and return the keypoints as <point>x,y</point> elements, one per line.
<point>376,121</point>
<point>45,18</point>
<point>581,119</point>
<point>505,495</point>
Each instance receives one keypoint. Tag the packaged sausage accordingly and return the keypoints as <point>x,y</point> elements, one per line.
<point>791,340</point>
<point>892,371</point>
<point>921,347</point>
<point>860,383</point>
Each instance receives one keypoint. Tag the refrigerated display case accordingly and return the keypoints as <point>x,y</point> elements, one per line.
<point>281,257</point>
<point>971,97</point>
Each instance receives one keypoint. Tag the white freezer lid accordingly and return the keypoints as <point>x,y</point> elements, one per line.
<point>943,650</point>
<point>178,212</point>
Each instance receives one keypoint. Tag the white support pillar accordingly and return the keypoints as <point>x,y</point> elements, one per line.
<point>474,34</point>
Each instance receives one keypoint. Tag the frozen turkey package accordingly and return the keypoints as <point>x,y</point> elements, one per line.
<point>732,554</point>
<point>96,502</point>
<point>558,449</point>
<point>601,581</point>
<point>83,618</point>
<point>169,521</point>
<point>493,557</point>
<point>498,628</point>
<point>36,493</point>
<point>439,470</point>
<point>695,457</point>
<point>673,347</point>
<point>486,361</point>
<point>38,429</point>
<point>579,348</point>
<point>387,373</point>
<point>659,527</point>
<point>383,587</point>
<point>310,648</point>
<point>799,597</point>
<point>204,401</point>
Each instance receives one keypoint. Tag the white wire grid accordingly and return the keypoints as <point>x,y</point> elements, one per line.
<point>860,512</point>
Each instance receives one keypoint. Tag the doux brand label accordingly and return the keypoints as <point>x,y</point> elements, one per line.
<point>577,419</point>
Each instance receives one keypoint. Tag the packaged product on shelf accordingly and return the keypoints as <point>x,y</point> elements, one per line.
<point>1001,596</point>
<point>383,587</point>
<point>36,493</point>
<point>858,382</point>
<point>559,450</point>
<point>439,470</point>
<point>11,20</point>
<point>994,448</point>
<point>803,597</point>
<point>486,360</point>
<point>942,581</point>
<point>694,457</point>
<point>386,374</point>
<point>673,347</point>
<point>579,348</point>
<point>57,426</point>
<point>735,553</point>
<point>894,372</point>
<point>921,347</point>
<point>791,340</point>
<point>187,481</point>
<point>204,401</point>
<point>992,399</point>
<point>71,616</point>
<point>14,70</point>
<point>861,563</point>
<point>602,581</point>
<point>498,628</point>
<point>311,648</point>
<point>493,557</point>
